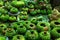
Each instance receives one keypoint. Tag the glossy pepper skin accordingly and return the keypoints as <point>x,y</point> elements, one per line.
<point>13,10</point>
<point>55,32</point>
<point>10,32</point>
<point>18,3</point>
<point>31,35</point>
<point>18,37</point>
<point>44,35</point>
<point>42,25</point>
<point>4,17</point>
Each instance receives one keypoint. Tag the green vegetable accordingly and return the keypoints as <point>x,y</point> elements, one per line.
<point>2,38</point>
<point>31,35</point>
<point>21,29</point>
<point>18,3</point>
<point>4,17</point>
<point>10,32</point>
<point>12,18</point>
<point>42,25</point>
<point>55,32</point>
<point>13,10</point>
<point>44,35</point>
<point>18,37</point>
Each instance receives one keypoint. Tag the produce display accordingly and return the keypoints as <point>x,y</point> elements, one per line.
<point>29,20</point>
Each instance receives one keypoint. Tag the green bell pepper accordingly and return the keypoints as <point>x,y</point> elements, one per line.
<point>18,37</point>
<point>13,10</point>
<point>4,17</point>
<point>12,18</point>
<point>34,20</point>
<point>31,26</point>
<point>21,29</point>
<point>55,32</point>
<point>17,3</point>
<point>41,26</point>
<point>10,32</point>
<point>31,35</point>
<point>44,35</point>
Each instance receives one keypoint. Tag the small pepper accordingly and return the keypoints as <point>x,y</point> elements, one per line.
<point>21,29</point>
<point>44,35</point>
<point>10,32</point>
<point>13,10</point>
<point>18,3</point>
<point>55,32</point>
<point>4,17</point>
<point>12,18</point>
<point>18,37</point>
<point>31,35</point>
<point>42,25</point>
